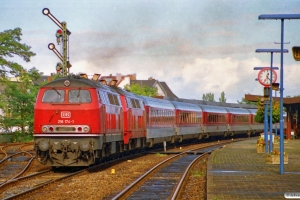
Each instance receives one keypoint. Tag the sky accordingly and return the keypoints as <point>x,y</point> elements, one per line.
<point>196,47</point>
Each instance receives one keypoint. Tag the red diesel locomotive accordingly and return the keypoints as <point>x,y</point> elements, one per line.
<point>78,122</point>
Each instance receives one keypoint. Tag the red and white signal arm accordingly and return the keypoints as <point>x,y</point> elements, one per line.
<point>264,76</point>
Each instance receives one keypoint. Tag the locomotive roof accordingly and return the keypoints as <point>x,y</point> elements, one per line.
<point>237,110</point>
<point>76,81</point>
<point>209,108</point>
<point>125,93</point>
<point>157,103</point>
<point>186,106</point>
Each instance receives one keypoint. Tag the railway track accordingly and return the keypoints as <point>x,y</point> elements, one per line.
<point>24,185</point>
<point>48,183</point>
<point>166,180</point>
<point>9,149</point>
<point>20,187</point>
<point>15,162</point>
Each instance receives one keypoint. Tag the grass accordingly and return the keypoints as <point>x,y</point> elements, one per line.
<point>160,154</point>
<point>22,137</point>
<point>197,173</point>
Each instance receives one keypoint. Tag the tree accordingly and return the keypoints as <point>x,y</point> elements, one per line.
<point>208,97</point>
<point>260,113</point>
<point>141,90</point>
<point>222,98</point>
<point>17,102</point>
<point>10,46</point>
<point>244,101</point>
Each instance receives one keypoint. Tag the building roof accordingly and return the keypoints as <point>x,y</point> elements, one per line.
<point>167,90</point>
<point>148,83</point>
<point>294,101</point>
<point>152,83</point>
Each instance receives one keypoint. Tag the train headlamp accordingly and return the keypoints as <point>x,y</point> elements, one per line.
<point>86,129</point>
<point>45,129</point>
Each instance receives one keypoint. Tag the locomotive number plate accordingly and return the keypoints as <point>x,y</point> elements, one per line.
<point>66,121</point>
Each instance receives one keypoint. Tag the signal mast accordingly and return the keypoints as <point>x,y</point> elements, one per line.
<point>63,33</point>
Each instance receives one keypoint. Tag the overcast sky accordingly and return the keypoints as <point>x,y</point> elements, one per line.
<point>196,47</point>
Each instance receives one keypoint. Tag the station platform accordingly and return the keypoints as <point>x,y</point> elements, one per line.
<point>237,171</point>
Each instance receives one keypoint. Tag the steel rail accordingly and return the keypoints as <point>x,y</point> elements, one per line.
<point>3,153</point>
<point>184,176</point>
<point>44,184</point>
<point>20,173</point>
<point>128,189</point>
<point>107,164</point>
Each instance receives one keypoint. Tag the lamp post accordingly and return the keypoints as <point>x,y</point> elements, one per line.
<point>271,95</point>
<point>282,17</point>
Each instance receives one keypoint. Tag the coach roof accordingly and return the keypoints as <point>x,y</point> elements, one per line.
<point>186,106</point>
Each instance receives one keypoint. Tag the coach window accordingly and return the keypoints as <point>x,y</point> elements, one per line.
<point>128,101</point>
<point>53,96</point>
<point>137,103</point>
<point>116,99</point>
<point>153,116</point>
<point>141,104</point>
<point>111,99</point>
<point>133,103</point>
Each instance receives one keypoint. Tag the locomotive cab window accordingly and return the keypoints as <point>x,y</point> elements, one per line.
<point>53,96</point>
<point>79,96</point>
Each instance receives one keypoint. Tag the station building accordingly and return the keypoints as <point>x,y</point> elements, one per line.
<point>292,108</point>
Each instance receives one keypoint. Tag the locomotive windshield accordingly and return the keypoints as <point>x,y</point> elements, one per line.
<point>53,96</point>
<point>79,96</point>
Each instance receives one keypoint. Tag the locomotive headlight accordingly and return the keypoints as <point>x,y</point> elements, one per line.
<point>45,129</point>
<point>43,145</point>
<point>84,146</point>
<point>86,129</point>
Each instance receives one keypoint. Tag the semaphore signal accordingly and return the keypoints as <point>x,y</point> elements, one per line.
<point>63,33</point>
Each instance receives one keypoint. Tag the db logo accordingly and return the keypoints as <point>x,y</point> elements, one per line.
<point>65,114</point>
